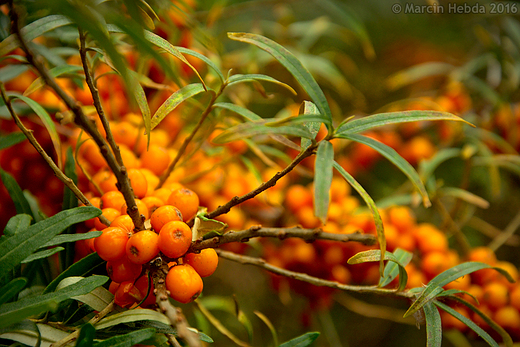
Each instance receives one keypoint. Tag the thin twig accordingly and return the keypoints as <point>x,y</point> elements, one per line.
<point>309,235</point>
<point>174,314</point>
<point>504,236</point>
<point>244,259</point>
<point>461,239</point>
<point>82,121</point>
<point>57,171</point>
<point>66,340</point>
<point>264,186</point>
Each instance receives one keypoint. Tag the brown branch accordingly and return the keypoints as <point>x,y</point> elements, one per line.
<point>174,314</point>
<point>308,235</point>
<point>244,259</point>
<point>34,142</point>
<point>264,186</point>
<point>82,121</point>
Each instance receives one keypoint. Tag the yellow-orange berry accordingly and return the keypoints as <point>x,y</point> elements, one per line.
<point>186,200</point>
<point>113,199</point>
<point>163,215</point>
<point>124,222</point>
<point>495,295</point>
<point>111,244</point>
<point>152,203</point>
<point>143,209</point>
<point>205,262</point>
<point>142,247</point>
<point>138,182</point>
<point>110,214</point>
<point>183,283</point>
<point>123,270</point>
<point>155,159</point>
<point>175,239</point>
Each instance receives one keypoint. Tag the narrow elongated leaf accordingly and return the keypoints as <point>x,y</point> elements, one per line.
<point>302,341</point>
<point>11,140</point>
<point>42,254</point>
<point>480,332</point>
<point>307,108</point>
<point>257,77</point>
<point>390,154</point>
<point>86,336</point>
<point>427,167</point>
<point>46,120</point>
<point>54,72</point>
<point>250,129</point>
<point>17,223</point>
<point>8,291</point>
<point>29,335</point>
<point>174,100</point>
<point>12,71</point>
<point>139,314</point>
<point>373,209</point>
<point>433,325</point>
<point>69,201</point>
<point>140,97</point>
<point>292,64</point>
<point>418,72</point>
<point>21,309</point>
<point>377,120</point>
<point>79,268</point>
<point>323,179</point>
<point>60,239</point>
<point>33,30</point>
<point>464,195</point>
<point>15,192</point>
<point>301,119</point>
<point>127,340</point>
<point>244,112</point>
<point>270,325</point>
<point>18,247</point>
<point>98,299</point>
<point>446,277</point>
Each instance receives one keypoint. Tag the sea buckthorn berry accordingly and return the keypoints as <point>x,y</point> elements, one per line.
<point>495,295</point>
<point>127,294</point>
<point>175,239</point>
<point>297,197</point>
<point>128,157</point>
<point>205,262</point>
<point>514,297</point>
<point>186,200</point>
<point>155,159</point>
<point>138,182</point>
<point>163,215</point>
<point>90,151</point>
<point>111,244</point>
<point>110,214</point>
<point>142,246</point>
<point>430,239</point>
<point>433,263</point>
<point>112,199</point>
<point>142,284</point>
<point>123,270</point>
<point>183,283</point>
<point>143,209</point>
<point>125,133</point>
<point>124,222</point>
<point>507,317</point>
<point>96,202</point>
<point>162,193</point>
<point>152,179</point>
<point>152,203</point>
<point>112,288</point>
<point>401,217</point>
<point>105,180</point>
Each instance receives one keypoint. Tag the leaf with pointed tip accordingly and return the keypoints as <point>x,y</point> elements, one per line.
<point>12,71</point>
<point>140,97</point>
<point>292,64</point>
<point>380,119</point>
<point>174,100</point>
<point>29,333</point>
<point>246,130</point>
<point>390,154</point>
<point>54,72</point>
<point>418,72</point>
<point>302,341</point>
<point>42,254</point>
<point>270,325</point>
<point>15,192</point>
<point>138,314</point>
<point>309,108</point>
<point>12,288</point>
<point>17,223</point>
<point>373,209</point>
<point>244,112</point>
<point>98,298</point>
<point>323,179</point>
<point>59,239</point>
<point>433,325</point>
<point>257,77</point>
<point>464,195</point>
<point>11,139</point>
<point>86,336</point>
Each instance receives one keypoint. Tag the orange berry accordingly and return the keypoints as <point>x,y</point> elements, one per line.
<point>112,288</point>
<point>138,182</point>
<point>433,263</point>
<point>156,159</point>
<point>163,215</point>
<point>401,217</point>
<point>495,295</point>
<point>461,283</point>
<point>307,218</point>
<point>514,297</point>
<point>482,254</point>
<point>175,239</point>
<point>110,214</point>
<point>124,222</point>
<point>123,270</point>
<point>341,274</point>
<point>298,196</point>
<point>105,180</point>
<point>113,199</point>
<point>162,193</point>
<point>96,202</point>
<point>111,244</point>
<point>430,239</point>
<point>186,200</point>
<point>142,284</point>
<point>152,180</point>
<point>507,317</point>
<point>450,322</point>
<point>142,246</point>
<point>125,133</point>
<point>205,262</point>
<point>143,209</point>
<point>129,159</point>
<point>183,283</point>
<point>152,203</point>
<point>127,294</point>
<point>90,151</point>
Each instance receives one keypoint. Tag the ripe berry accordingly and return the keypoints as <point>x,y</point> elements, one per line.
<point>138,182</point>
<point>183,283</point>
<point>111,244</point>
<point>142,284</point>
<point>205,262</point>
<point>163,215</point>
<point>175,239</point>
<point>142,247</point>
<point>123,270</point>
<point>186,200</point>
<point>127,294</point>
<point>110,214</point>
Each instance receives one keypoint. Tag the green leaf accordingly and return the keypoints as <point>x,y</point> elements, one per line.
<point>293,65</point>
<point>390,154</point>
<point>140,97</point>
<point>138,314</point>
<point>46,120</point>
<point>480,332</point>
<point>174,100</point>
<point>392,269</point>
<point>28,333</point>
<point>86,336</point>
<point>302,341</point>
<point>17,223</point>
<point>127,340</point>
<point>244,112</point>
<point>373,209</point>
<point>427,167</point>
<point>33,30</point>
<point>376,120</point>
<point>11,139</point>
<point>306,108</point>
<point>79,268</point>
<point>246,130</point>
<point>21,309</point>
<point>257,77</point>
<point>315,118</point>
<point>464,195</point>
<point>18,247</point>
<point>42,254</point>
<point>433,325</point>
<point>59,239</point>
<point>98,299</point>
<point>432,288</point>
<point>323,179</point>
<point>15,192</point>
<point>418,72</point>
<point>10,72</point>
<point>69,201</point>
<point>270,325</point>
<point>12,288</point>
<point>54,72</point>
